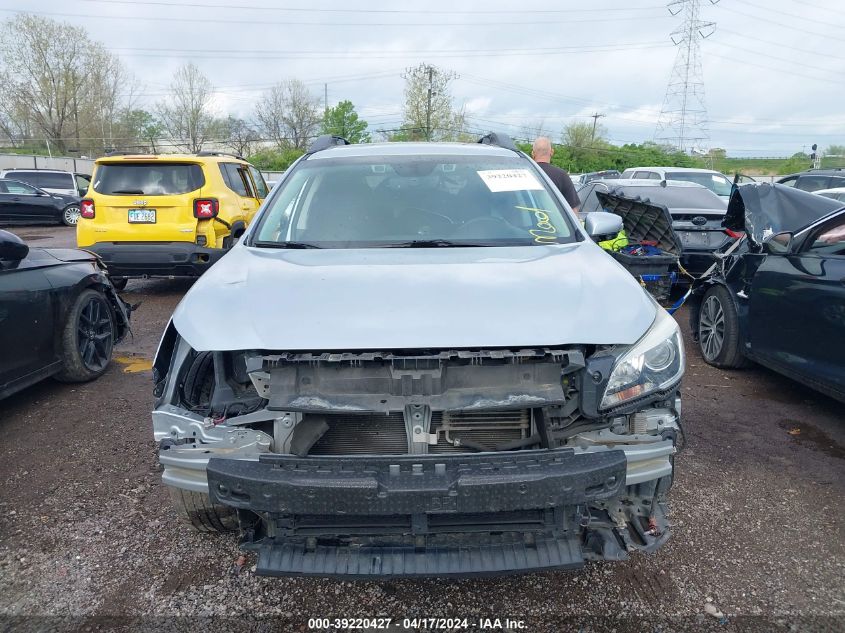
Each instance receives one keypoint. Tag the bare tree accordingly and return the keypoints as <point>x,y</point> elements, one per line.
<point>240,136</point>
<point>186,115</point>
<point>428,111</point>
<point>289,114</point>
<point>56,81</point>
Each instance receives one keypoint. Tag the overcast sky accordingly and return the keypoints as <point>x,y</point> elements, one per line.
<point>774,70</point>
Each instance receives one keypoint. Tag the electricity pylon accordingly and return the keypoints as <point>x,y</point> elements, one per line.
<point>683,118</point>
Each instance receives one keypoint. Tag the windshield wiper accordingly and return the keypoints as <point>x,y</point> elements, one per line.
<point>139,192</point>
<point>267,244</point>
<point>436,243</point>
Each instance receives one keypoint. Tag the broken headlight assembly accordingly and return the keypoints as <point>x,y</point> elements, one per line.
<point>652,365</point>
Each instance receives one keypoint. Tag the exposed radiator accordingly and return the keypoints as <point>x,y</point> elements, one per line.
<point>377,434</point>
<point>487,428</point>
<point>363,434</point>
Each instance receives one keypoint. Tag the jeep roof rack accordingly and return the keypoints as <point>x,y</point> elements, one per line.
<point>325,142</point>
<point>498,139</point>
<point>215,153</point>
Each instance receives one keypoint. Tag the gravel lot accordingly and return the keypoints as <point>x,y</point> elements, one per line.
<point>86,530</point>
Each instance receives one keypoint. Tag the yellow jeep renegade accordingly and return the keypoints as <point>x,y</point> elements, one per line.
<point>167,215</point>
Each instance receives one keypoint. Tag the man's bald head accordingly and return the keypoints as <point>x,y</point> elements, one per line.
<point>542,150</point>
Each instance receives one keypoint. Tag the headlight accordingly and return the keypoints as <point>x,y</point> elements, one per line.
<point>652,364</point>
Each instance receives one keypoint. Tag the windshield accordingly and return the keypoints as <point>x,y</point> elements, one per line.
<point>156,179</point>
<point>427,201</point>
<point>717,183</point>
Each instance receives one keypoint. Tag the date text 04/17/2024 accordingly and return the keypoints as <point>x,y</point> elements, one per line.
<point>431,624</point>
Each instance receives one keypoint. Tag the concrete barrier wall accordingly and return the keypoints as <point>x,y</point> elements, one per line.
<point>28,161</point>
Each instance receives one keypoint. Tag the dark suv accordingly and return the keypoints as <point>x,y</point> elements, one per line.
<point>815,179</point>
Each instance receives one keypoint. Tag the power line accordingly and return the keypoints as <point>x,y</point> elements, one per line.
<point>790,27</point>
<point>467,53</point>
<point>789,15</point>
<point>203,5</point>
<point>745,36</point>
<point>321,23</point>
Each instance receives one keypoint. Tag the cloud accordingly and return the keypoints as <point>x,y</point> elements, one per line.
<point>517,66</point>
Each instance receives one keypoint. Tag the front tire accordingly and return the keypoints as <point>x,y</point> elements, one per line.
<point>718,330</point>
<point>70,215</point>
<point>196,508</point>
<point>87,338</point>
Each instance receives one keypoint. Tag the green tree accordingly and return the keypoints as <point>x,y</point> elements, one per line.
<point>142,127</point>
<point>275,159</point>
<point>835,150</point>
<point>342,120</point>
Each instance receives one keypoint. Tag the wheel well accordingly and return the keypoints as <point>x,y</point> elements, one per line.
<point>238,228</point>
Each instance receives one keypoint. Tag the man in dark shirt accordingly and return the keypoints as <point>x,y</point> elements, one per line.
<point>542,152</point>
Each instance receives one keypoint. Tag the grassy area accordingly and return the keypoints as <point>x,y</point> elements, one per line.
<point>772,166</point>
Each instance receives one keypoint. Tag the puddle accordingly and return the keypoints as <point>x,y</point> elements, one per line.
<point>812,438</point>
<point>134,364</point>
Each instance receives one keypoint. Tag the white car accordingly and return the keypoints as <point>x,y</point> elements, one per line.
<point>837,193</point>
<point>51,180</point>
<point>417,362</point>
<point>715,181</point>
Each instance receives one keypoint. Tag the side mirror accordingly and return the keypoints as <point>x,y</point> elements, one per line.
<point>601,225</point>
<point>12,248</point>
<point>778,244</point>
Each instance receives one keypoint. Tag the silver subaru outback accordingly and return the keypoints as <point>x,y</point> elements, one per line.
<point>417,362</point>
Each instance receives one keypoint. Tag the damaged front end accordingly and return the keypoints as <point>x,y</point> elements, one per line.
<point>427,462</point>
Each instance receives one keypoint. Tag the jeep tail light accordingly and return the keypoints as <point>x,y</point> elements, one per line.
<point>734,234</point>
<point>205,208</point>
<point>86,209</point>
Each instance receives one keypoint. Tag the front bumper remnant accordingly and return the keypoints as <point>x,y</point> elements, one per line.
<point>433,515</point>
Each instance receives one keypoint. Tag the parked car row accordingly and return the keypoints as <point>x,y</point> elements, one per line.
<point>21,203</point>
<point>56,181</point>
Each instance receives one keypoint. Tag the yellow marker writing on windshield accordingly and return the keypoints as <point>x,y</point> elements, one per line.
<point>545,231</point>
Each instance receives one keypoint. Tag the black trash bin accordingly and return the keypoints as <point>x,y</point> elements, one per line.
<point>653,248</point>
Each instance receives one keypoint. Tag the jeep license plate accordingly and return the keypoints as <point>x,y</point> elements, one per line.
<point>142,216</point>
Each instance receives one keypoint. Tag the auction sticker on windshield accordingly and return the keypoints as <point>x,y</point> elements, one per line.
<point>510,180</point>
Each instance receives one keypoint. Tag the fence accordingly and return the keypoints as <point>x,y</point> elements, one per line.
<point>30,161</point>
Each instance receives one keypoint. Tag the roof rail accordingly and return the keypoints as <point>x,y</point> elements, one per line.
<point>325,142</point>
<point>498,139</point>
<point>213,153</point>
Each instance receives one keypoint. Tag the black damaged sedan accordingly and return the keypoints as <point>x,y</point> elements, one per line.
<point>59,315</point>
<point>779,299</point>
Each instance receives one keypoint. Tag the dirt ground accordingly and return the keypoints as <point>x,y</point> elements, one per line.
<point>88,540</point>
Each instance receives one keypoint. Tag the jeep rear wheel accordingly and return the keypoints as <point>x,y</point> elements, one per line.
<point>718,330</point>
<point>196,508</point>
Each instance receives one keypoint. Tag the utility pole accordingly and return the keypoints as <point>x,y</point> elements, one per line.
<point>683,118</point>
<point>326,96</point>
<point>428,106</point>
<point>595,116</point>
